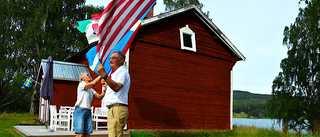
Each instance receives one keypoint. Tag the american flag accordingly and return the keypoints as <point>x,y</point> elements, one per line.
<point>115,21</point>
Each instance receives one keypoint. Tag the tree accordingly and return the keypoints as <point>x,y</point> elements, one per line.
<point>33,30</point>
<point>295,91</point>
<point>176,4</point>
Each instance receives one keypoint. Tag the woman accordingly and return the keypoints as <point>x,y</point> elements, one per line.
<point>82,114</point>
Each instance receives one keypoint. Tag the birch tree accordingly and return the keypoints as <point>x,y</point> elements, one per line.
<point>295,91</point>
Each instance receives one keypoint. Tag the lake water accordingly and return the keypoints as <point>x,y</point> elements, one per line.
<point>259,123</point>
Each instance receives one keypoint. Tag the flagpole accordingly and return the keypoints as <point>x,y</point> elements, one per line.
<point>36,81</point>
<point>47,119</point>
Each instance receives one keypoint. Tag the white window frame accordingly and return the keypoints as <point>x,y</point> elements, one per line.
<point>188,31</point>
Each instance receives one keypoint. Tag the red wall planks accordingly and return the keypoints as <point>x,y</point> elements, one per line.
<point>176,89</point>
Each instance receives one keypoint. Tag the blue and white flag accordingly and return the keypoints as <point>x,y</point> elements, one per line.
<point>92,59</point>
<point>28,82</point>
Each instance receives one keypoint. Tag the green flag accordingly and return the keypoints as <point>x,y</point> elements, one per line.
<point>83,25</point>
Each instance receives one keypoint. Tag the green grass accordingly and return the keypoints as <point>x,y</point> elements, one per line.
<point>188,133</point>
<point>239,115</point>
<point>7,121</point>
<point>241,131</point>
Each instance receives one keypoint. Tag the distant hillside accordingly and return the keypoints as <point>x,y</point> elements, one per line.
<point>250,103</point>
<point>239,94</point>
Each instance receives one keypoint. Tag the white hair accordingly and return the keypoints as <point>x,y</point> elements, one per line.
<point>82,75</point>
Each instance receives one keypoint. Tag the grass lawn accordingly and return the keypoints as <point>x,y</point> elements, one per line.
<point>239,115</point>
<point>241,131</point>
<point>7,121</point>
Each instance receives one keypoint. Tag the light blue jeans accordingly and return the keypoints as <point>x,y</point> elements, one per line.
<point>82,121</point>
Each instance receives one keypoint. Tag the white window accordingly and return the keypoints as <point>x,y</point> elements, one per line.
<point>187,39</point>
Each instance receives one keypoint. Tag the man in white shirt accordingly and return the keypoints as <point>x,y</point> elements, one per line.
<point>117,94</point>
<point>82,113</point>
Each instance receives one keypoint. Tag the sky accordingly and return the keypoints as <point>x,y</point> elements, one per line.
<point>255,27</point>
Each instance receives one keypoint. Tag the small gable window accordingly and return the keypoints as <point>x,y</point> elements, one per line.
<point>187,39</point>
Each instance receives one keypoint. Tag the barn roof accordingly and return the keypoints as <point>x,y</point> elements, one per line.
<point>64,70</point>
<point>204,19</point>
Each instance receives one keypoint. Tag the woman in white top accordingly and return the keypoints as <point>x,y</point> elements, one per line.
<point>82,113</point>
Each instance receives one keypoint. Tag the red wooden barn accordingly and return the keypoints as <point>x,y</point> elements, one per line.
<point>181,74</point>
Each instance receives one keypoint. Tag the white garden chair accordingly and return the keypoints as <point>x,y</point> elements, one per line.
<point>100,115</point>
<point>59,120</point>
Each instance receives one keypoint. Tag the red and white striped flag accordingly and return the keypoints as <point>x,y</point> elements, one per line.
<point>115,21</point>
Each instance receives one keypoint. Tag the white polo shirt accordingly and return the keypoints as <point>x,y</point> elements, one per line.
<point>122,76</point>
<point>84,97</point>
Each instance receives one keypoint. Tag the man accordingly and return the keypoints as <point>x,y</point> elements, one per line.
<point>82,114</point>
<point>117,94</point>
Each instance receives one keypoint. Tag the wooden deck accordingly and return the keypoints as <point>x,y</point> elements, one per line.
<point>38,131</point>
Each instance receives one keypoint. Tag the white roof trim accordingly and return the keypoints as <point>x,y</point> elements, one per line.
<point>204,18</point>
